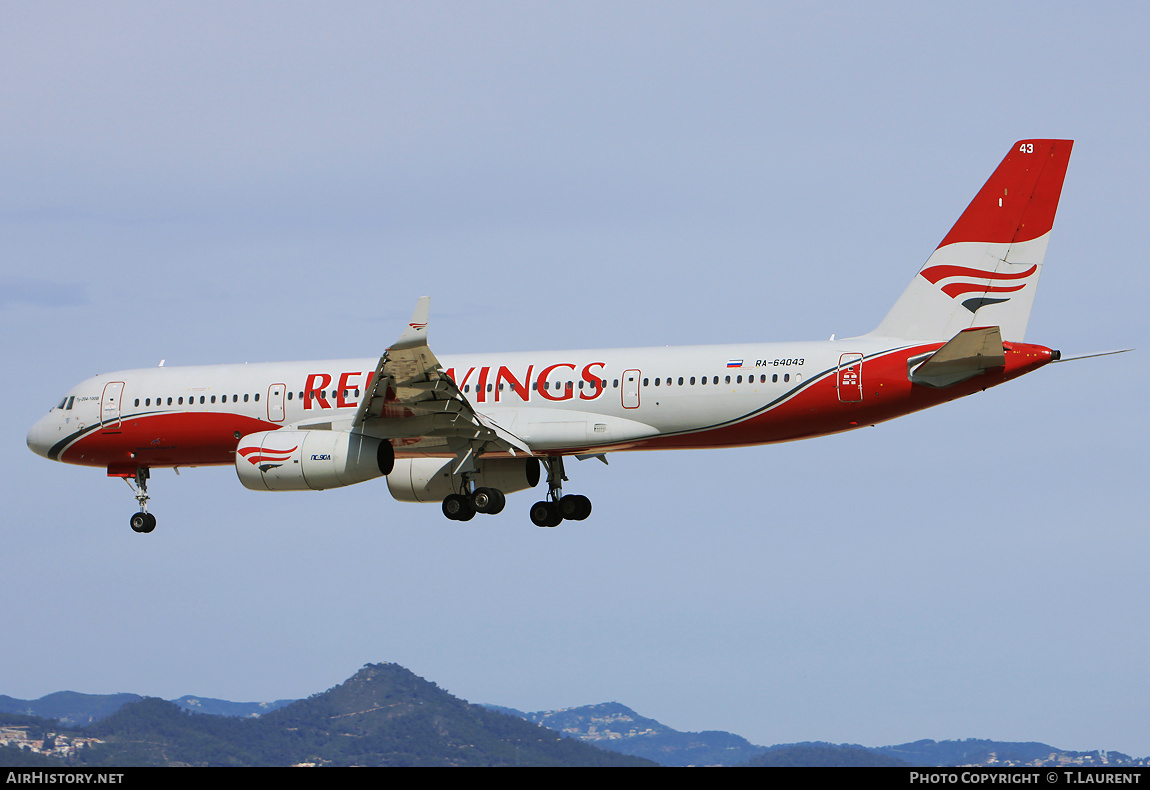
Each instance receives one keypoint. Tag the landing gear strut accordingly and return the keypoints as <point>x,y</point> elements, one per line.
<point>142,521</point>
<point>557,507</point>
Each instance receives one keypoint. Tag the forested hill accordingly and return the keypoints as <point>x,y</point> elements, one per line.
<point>384,715</point>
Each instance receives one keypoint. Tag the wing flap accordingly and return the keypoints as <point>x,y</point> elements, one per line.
<point>411,398</point>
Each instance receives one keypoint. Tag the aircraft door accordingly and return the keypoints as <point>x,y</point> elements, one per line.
<point>630,391</point>
<point>849,382</point>
<point>276,393</point>
<point>110,404</point>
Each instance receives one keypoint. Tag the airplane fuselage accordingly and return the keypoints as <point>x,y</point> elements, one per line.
<point>560,403</point>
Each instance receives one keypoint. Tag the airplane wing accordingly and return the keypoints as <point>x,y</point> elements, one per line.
<point>411,401</point>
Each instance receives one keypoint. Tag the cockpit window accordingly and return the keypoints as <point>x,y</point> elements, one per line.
<point>60,405</point>
<point>71,400</point>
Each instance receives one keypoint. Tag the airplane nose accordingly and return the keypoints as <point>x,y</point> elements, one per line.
<point>42,436</point>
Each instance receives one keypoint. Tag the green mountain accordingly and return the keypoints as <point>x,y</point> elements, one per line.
<point>382,716</point>
<point>386,715</point>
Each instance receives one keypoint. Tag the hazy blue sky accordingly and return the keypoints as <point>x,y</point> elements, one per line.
<point>222,182</point>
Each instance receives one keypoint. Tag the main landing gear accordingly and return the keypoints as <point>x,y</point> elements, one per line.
<point>557,507</point>
<point>142,521</point>
<point>463,507</point>
<point>547,513</point>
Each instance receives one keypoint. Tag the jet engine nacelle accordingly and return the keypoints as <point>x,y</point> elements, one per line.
<point>288,460</point>
<point>431,479</point>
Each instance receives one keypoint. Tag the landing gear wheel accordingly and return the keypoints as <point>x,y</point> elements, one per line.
<point>488,500</point>
<point>458,508</point>
<point>575,507</point>
<point>545,514</point>
<point>142,522</point>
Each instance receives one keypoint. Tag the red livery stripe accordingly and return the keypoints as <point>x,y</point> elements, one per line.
<point>1019,200</point>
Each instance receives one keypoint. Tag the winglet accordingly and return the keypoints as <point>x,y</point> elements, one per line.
<point>416,332</point>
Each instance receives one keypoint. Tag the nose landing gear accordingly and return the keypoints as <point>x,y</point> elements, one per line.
<point>142,521</point>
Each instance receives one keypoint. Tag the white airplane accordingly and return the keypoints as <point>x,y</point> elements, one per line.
<point>468,430</point>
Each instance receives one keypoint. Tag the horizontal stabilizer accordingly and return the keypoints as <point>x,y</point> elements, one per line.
<point>967,354</point>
